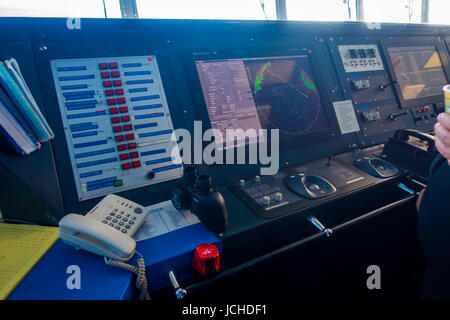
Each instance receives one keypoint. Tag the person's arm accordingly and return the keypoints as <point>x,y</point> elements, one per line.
<point>442,132</point>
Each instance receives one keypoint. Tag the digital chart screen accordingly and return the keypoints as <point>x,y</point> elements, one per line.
<point>419,71</point>
<point>263,93</point>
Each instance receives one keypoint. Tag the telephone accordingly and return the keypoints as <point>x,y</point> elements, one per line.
<point>107,231</point>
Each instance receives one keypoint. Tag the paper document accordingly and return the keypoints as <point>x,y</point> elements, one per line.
<point>162,218</point>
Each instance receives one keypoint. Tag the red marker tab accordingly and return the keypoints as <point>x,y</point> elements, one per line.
<point>206,259</point>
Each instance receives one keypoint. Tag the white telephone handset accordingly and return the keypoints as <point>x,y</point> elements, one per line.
<point>93,236</point>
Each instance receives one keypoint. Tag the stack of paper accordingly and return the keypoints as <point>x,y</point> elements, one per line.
<point>21,121</point>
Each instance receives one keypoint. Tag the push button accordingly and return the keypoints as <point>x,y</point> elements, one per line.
<point>122,147</point>
<point>132,145</point>
<point>113,110</point>
<point>113,65</point>
<point>117,83</point>
<point>136,164</point>
<point>109,92</point>
<point>123,109</point>
<point>126,166</point>
<point>115,74</point>
<point>128,127</point>
<point>105,75</point>
<point>103,65</point>
<point>129,136</point>
<point>115,119</point>
<point>121,100</point>
<point>119,92</point>
<point>124,156</point>
<point>119,138</point>
<point>134,154</point>
<point>107,83</point>
<point>117,129</point>
<point>111,102</point>
<point>125,118</point>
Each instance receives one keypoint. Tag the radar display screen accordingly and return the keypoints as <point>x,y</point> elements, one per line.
<point>419,71</point>
<point>263,93</point>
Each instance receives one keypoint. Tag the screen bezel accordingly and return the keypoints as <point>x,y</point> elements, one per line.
<point>405,43</point>
<point>201,112</point>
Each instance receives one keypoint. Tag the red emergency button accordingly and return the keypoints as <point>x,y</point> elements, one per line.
<point>105,75</point>
<point>124,156</point>
<point>113,65</point>
<point>117,129</point>
<point>206,259</point>
<point>109,92</point>
<point>103,65</point>
<point>134,154</point>
<point>115,74</point>
<point>119,92</point>
<point>123,109</point>
<point>111,102</point>
<point>122,147</point>
<point>125,118</point>
<point>107,83</point>
<point>129,136</point>
<point>127,127</point>
<point>121,100</point>
<point>119,138</point>
<point>126,166</point>
<point>136,164</point>
<point>113,110</point>
<point>117,83</point>
<point>115,119</point>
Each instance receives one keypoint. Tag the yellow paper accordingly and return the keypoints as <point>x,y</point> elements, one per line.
<point>21,247</point>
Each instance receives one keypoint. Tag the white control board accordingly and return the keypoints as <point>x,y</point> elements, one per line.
<point>360,58</point>
<point>117,123</point>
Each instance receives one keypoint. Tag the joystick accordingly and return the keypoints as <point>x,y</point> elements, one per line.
<point>197,194</point>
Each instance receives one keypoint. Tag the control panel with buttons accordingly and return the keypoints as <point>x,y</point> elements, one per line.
<point>360,58</point>
<point>119,213</point>
<point>117,123</point>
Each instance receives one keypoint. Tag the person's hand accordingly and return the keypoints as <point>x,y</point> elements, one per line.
<point>419,200</point>
<point>442,132</point>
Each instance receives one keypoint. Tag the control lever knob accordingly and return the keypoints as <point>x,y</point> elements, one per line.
<point>393,116</point>
<point>266,200</point>
<point>242,183</point>
<point>278,196</point>
<point>257,179</point>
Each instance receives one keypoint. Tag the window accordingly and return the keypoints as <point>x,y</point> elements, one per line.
<point>321,10</point>
<point>60,8</point>
<point>207,9</point>
<point>400,11</point>
<point>439,11</point>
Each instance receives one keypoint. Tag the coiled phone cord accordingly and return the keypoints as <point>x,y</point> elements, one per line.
<point>141,279</point>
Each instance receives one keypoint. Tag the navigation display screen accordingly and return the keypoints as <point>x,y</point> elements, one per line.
<point>419,71</point>
<point>263,93</point>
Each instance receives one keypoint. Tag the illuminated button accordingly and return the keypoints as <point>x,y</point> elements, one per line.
<point>119,91</point>
<point>123,109</point>
<point>118,183</point>
<point>121,100</point>
<point>113,65</point>
<point>125,118</point>
<point>134,154</point>
<point>117,83</point>
<point>127,127</point>
<point>113,110</point>
<point>117,129</point>
<point>115,74</point>
<point>126,166</point>
<point>105,75</point>
<point>115,119</point>
<point>111,102</point>
<point>103,65</point>
<point>136,164</point>
<point>129,136</point>
<point>124,156</point>
<point>107,83</point>
<point>132,145</point>
<point>122,147</point>
<point>109,92</point>
<point>119,138</point>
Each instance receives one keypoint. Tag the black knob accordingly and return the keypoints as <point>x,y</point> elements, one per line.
<point>204,183</point>
<point>150,175</point>
<point>190,175</point>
